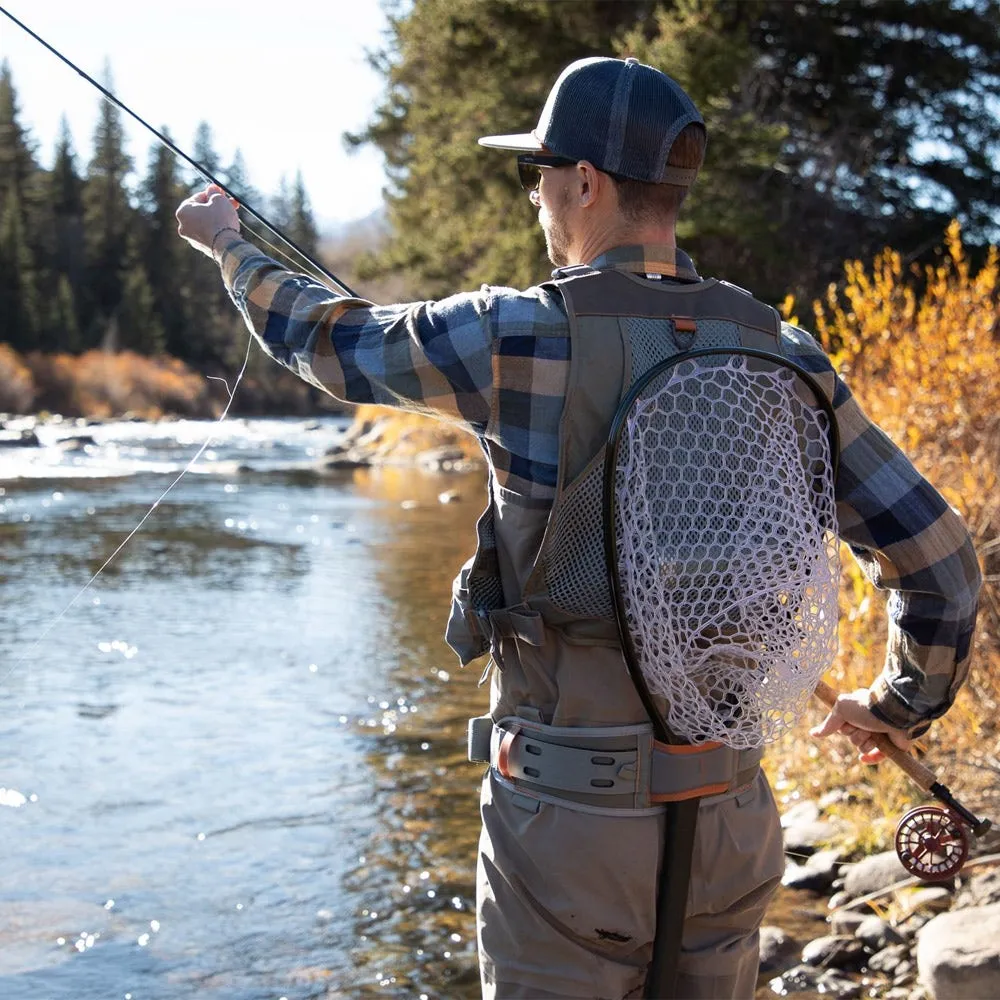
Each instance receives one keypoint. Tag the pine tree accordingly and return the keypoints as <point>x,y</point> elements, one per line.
<point>301,226</point>
<point>137,322</point>
<point>161,252</point>
<point>20,312</point>
<point>203,152</point>
<point>107,216</point>
<point>63,325</point>
<point>17,149</point>
<point>64,197</point>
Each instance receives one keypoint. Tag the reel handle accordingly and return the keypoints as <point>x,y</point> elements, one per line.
<point>921,775</point>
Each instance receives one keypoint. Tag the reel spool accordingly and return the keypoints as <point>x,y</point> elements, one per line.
<point>932,843</point>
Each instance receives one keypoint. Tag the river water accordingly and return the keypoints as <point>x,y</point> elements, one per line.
<point>233,765</point>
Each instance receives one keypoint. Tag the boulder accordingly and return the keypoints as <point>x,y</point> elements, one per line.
<point>981,890</point>
<point>817,874</point>
<point>878,871</point>
<point>776,947</point>
<point>806,811</point>
<point>875,934</point>
<point>834,952</point>
<point>958,954</point>
<point>802,838</point>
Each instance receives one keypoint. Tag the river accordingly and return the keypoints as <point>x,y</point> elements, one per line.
<point>232,765</point>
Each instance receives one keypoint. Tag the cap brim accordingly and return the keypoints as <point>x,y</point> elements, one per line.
<point>523,141</point>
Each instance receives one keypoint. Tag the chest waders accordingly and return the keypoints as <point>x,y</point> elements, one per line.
<point>545,579</point>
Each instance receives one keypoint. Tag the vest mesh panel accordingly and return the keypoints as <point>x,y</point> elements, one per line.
<point>727,547</point>
<point>577,571</point>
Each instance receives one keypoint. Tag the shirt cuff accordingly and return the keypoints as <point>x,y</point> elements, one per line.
<point>886,706</point>
<point>230,250</point>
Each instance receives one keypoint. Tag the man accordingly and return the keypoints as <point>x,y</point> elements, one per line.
<point>567,878</point>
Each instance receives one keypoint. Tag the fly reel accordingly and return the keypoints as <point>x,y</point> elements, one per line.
<point>932,843</point>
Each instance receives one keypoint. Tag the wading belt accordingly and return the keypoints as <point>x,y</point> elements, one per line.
<point>606,768</point>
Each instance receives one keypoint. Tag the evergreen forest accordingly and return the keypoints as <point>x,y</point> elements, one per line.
<point>837,128</point>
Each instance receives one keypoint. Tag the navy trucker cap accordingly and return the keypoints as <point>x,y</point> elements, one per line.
<point>620,114</point>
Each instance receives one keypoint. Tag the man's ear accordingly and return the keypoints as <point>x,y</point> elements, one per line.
<point>589,181</point>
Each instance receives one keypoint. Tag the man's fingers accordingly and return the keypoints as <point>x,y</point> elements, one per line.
<point>833,723</point>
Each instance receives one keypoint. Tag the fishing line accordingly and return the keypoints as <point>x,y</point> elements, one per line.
<point>121,545</point>
<point>207,175</point>
<point>177,151</point>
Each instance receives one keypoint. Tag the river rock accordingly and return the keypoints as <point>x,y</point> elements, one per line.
<point>888,960</point>
<point>875,933</point>
<point>981,890</point>
<point>846,921</point>
<point>829,984</point>
<point>19,439</point>
<point>77,442</point>
<point>834,951</point>
<point>817,874</point>
<point>439,459</point>
<point>878,871</point>
<point>932,899</point>
<point>958,954</point>
<point>805,838</point>
<point>776,948</point>
<point>799,979</point>
<point>806,811</point>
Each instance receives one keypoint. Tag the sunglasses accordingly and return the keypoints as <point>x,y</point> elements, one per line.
<point>530,165</point>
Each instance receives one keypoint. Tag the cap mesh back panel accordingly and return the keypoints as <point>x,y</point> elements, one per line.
<point>727,550</point>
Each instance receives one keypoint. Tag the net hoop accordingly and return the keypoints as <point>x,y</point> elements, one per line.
<point>664,731</point>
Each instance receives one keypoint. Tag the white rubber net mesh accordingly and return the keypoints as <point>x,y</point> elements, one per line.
<point>727,551</point>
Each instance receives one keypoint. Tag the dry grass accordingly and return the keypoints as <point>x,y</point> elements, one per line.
<point>104,384</point>
<point>919,352</point>
<point>17,387</point>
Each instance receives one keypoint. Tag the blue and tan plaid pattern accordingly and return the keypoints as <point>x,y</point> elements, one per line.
<point>497,362</point>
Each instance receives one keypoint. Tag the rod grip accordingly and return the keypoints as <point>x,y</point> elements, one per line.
<point>922,776</point>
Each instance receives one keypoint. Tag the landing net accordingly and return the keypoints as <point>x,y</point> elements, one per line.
<point>727,554</point>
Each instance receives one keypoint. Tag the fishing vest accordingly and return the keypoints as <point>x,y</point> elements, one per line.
<point>537,593</point>
<point>550,560</point>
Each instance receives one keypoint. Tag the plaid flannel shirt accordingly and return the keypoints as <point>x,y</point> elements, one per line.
<point>496,361</point>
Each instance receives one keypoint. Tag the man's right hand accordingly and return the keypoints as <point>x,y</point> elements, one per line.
<point>852,717</point>
<point>204,215</point>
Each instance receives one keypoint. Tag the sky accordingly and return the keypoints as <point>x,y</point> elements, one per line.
<point>281,83</point>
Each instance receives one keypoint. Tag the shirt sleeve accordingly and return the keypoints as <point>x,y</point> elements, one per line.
<point>427,357</point>
<point>910,543</point>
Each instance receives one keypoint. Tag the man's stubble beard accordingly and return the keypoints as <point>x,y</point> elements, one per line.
<point>557,239</point>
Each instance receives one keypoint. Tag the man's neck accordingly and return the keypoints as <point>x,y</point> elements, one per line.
<point>600,242</point>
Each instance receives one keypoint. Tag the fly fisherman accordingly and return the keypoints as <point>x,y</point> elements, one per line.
<point>567,869</point>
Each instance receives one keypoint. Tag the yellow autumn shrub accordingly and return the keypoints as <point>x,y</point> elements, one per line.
<point>918,348</point>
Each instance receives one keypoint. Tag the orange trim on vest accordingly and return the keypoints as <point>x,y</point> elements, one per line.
<point>503,754</point>
<point>685,748</point>
<point>692,793</point>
